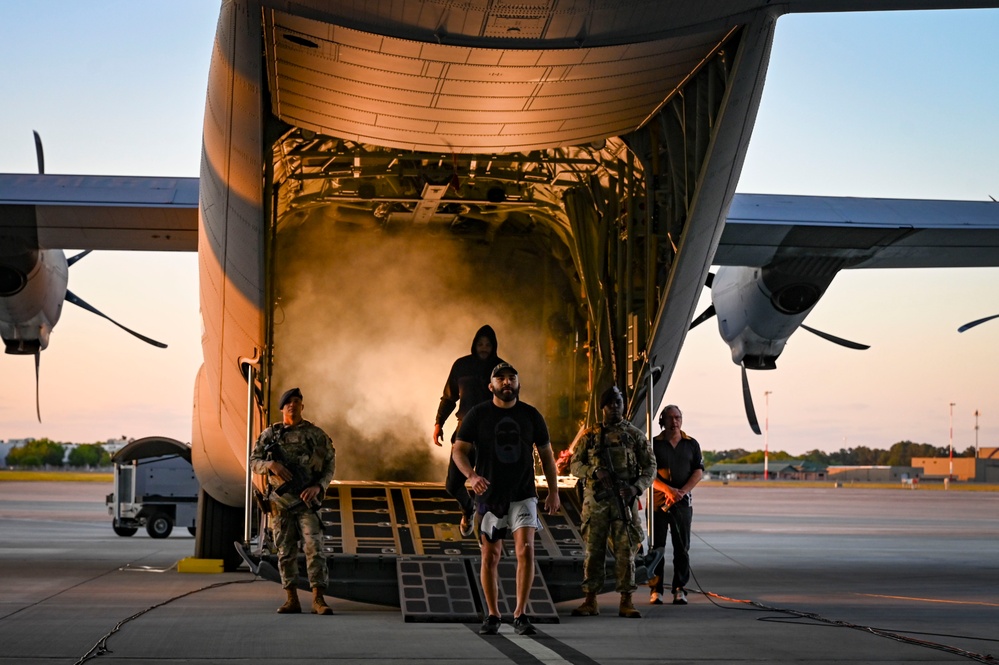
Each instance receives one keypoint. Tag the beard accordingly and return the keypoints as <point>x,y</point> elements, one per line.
<point>508,394</point>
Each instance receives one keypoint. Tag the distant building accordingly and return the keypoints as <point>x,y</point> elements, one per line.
<point>114,445</point>
<point>793,469</point>
<point>987,465</point>
<point>8,445</point>
<point>875,473</point>
<point>984,469</point>
<point>938,468</point>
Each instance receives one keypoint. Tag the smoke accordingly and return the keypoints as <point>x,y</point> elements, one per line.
<point>367,323</point>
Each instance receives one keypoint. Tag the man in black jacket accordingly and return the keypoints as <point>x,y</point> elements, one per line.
<point>466,386</point>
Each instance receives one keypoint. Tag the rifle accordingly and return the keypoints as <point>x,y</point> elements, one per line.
<point>287,494</point>
<point>611,485</point>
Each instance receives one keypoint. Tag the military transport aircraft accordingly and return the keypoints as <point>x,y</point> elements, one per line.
<point>576,162</point>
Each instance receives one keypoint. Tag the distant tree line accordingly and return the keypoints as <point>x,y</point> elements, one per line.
<point>42,453</point>
<point>900,454</point>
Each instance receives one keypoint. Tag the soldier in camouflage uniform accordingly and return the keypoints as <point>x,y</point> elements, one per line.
<point>299,460</point>
<point>616,461</point>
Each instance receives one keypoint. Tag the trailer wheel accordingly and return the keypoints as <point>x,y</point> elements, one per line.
<point>124,530</point>
<point>192,530</point>
<point>159,525</point>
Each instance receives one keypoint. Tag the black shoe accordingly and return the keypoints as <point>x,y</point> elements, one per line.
<point>679,597</point>
<point>490,626</point>
<point>655,598</point>
<point>522,626</point>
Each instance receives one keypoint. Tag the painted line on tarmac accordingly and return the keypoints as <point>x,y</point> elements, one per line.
<point>540,649</point>
<point>565,651</point>
<point>931,600</point>
<point>512,651</point>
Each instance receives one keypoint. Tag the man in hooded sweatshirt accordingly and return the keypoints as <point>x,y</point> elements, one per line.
<point>466,386</point>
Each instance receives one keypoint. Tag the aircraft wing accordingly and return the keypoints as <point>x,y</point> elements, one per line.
<point>101,212</point>
<point>762,229</point>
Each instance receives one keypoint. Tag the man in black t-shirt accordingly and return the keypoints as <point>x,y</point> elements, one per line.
<point>504,433</point>
<point>679,467</point>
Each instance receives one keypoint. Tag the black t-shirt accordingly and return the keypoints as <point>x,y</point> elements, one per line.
<point>676,465</point>
<point>504,441</point>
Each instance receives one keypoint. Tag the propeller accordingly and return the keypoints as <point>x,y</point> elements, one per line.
<point>837,340</point>
<point>39,152</point>
<point>747,400</point>
<point>767,362</point>
<point>38,403</point>
<point>702,317</point>
<point>79,302</point>
<point>40,155</point>
<point>710,311</point>
<point>76,257</point>
<point>72,297</point>
<point>968,326</point>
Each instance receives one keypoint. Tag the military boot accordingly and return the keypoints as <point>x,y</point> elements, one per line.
<point>319,605</point>
<point>589,608</point>
<point>291,606</point>
<point>627,609</point>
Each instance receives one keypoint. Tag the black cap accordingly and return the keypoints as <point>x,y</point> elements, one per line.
<point>502,367</point>
<point>610,395</point>
<point>288,394</point>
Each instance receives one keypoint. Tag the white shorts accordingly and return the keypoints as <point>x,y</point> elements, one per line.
<point>521,514</point>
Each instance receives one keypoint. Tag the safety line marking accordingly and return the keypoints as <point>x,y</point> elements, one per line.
<point>539,649</point>
<point>930,600</point>
<point>564,650</point>
<point>512,651</point>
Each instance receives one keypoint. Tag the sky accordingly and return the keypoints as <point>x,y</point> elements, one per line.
<point>869,104</point>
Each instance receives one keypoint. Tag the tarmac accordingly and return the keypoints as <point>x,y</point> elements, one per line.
<point>793,575</point>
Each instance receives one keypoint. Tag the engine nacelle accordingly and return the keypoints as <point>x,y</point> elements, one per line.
<point>32,299</point>
<point>759,308</point>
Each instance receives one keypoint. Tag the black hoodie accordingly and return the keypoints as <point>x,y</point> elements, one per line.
<point>468,382</point>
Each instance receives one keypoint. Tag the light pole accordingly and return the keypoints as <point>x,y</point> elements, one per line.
<point>976,434</point>
<point>950,474</point>
<point>766,435</point>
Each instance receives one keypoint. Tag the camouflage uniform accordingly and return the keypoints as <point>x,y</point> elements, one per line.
<point>308,447</point>
<point>633,463</point>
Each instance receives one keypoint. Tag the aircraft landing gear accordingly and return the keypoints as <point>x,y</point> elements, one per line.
<point>219,526</point>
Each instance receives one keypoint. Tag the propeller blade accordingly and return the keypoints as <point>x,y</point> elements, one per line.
<point>76,257</point>
<point>702,317</point>
<point>747,400</point>
<point>837,340</point>
<point>968,326</point>
<point>79,302</point>
<point>38,402</point>
<point>39,153</point>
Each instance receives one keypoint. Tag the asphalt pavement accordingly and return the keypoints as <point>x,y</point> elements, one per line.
<point>792,575</point>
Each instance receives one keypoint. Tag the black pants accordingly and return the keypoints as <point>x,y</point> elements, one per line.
<point>676,521</point>
<point>455,485</point>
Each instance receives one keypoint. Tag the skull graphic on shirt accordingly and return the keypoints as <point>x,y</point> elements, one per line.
<point>507,434</point>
